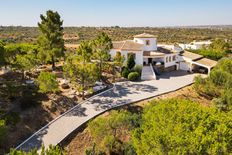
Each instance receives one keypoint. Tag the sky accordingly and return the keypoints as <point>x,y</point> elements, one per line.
<point>125,13</point>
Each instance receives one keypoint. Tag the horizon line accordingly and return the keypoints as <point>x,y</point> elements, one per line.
<point>200,25</point>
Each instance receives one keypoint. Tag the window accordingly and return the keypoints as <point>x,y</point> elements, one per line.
<point>170,59</point>
<point>166,59</point>
<point>147,42</point>
<point>174,58</point>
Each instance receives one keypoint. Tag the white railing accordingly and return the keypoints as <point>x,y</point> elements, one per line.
<point>154,75</point>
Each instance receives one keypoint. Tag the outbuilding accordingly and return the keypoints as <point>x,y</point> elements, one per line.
<point>193,62</point>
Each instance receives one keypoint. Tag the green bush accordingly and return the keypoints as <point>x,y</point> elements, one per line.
<point>47,83</point>
<point>183,127</point>
<point>133,76</point>
<point>107,132</point>
<point>125,72</point>
<point>138,69</point>
<point>130,62</point>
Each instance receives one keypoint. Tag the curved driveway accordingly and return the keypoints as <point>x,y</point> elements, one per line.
<point>124,93</point>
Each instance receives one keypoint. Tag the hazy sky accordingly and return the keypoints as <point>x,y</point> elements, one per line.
<point>119,12</point>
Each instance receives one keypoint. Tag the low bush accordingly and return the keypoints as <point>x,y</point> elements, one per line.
<point>138,69</point>
<point>48,83</point>
<point>133,76</point>
<point>125,72</point>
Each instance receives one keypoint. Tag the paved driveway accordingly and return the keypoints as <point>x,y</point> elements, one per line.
<point>124,93</point>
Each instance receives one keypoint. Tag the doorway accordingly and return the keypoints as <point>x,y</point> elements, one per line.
<point>149,60</point>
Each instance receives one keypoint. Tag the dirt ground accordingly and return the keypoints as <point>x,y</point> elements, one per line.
<point>80,140</point>
<point>34,118</point>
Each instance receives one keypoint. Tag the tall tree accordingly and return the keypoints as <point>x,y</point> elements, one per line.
<point>101,46</point>
<point>80,69</point>
<point>51,38</point>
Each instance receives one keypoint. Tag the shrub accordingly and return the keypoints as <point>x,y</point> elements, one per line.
<point>183,127</point>
<point>107,132</point>
<point>130,62</point>
<point>133,76</point>
<point>138,69</point>
<point>48,83</point>
<point>218,85</point>
<point>125,72</point>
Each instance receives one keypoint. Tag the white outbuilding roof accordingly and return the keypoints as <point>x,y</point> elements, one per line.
<point>144,35</point>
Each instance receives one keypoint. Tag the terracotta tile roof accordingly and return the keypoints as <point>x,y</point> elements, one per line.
<point>206,62</point>
<point>190,55</point>
<point>118,44</point>
<point>144,35</point>
<point>72,46</point>
<point>128,46</point>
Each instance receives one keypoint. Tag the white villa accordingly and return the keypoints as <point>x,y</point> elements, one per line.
<point>195,45</point>
<point>163,58</point>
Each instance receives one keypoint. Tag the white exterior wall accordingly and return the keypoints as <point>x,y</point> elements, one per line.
<point>138,55</point>
<point>169,63</point>
<point>191,46</point>
<point>152,46</point>
<point>188,46</point>
<point>124,53</point>
<point>112,53</point>
<point>185,66</point>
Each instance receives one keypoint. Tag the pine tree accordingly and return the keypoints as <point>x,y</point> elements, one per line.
<point>51,38</point>
<point>80,69</point>
<point>101,46</point>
